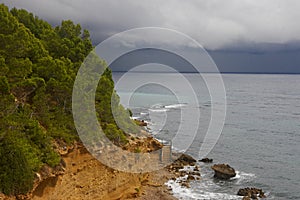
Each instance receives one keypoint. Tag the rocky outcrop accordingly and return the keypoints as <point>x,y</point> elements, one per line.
<point>223,171</point>
<point>252,193</point>
<point>186,160</point>
<point>181,161</point>
<point>80,175</point>
<point>206,160</point>
<point>184,176</point>
<point>142,144</point>
<point>86,178</point>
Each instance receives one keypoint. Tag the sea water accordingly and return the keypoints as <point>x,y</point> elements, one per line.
<point>260,138</point>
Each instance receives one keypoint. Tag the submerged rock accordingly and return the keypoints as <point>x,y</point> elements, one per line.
<point>223,171</point>
<point>206,160</point>
<point>252,193</point>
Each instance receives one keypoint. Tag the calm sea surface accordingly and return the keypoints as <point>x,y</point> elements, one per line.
<point>260,138</point>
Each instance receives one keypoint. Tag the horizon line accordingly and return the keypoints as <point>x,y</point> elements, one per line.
<point>187,72</point>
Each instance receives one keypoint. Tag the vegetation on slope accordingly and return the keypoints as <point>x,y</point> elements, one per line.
<point>38,66</point>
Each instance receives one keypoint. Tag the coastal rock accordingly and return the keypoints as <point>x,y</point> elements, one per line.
<point>223,171</point>
<point>191,178</point>
<point>252,193</point>
<point>142,144</point>
<point>246,198</point>
<point>185,184</point>
<point>140,122</point>
<point>186,160</point>
<point>195,173</point>
<point>206,160</point>
<point>184,176</point>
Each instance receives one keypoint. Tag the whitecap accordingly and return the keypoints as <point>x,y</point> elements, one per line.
<point>156,106</point>
<point>243,177</point>
<point>158,110</point>
<point>176,105</point>
<point>144,113</point>
<point>165,142</point>
<point>181,192</point>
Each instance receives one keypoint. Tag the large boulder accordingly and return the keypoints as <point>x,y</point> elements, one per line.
<point>252,193</point>
<point>223,171</point>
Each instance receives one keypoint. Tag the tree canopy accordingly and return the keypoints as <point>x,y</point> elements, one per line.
<point>38,66</point>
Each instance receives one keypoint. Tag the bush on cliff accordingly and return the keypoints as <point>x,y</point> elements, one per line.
<point>38,66</point>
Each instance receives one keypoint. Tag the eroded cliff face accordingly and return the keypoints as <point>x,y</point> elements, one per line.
<point>84,177</point>
<point>81,176</point>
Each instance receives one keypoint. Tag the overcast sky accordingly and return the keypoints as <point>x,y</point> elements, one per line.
<point>243,29</point>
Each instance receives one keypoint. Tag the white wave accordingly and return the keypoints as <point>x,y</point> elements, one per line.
<point>135,118</point>
<point>188,193</point>
<point>176,105</point>
<point>156,106</point>
<point>187,168</point>
<point>163,141</point>
<point>144,113</point>
<point>194,193</point>
<point>158,110</point>
<point>148,122</point>
<point>177,150</point>
<point>243,177</point>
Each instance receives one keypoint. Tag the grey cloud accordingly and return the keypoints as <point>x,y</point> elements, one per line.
<point>241,36</point>
<point>216,24</point>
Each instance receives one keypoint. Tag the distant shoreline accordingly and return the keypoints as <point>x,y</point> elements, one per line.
<point>246,73</point>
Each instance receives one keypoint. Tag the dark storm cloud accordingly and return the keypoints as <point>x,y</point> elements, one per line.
<point>214,23</point>
<point>252,29</point>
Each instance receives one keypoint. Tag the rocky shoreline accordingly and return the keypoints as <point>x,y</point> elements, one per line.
<point>81,176</point>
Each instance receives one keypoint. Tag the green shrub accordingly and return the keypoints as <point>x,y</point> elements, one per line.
<point>115,134</point>
<point>17,164</point>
